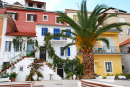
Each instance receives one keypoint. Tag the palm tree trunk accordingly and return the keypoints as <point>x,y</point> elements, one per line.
<point>88,64</point>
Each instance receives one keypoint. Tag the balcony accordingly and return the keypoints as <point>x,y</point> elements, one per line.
<point>111,50</point>
<point>101,50</point>
<point>59,39</point>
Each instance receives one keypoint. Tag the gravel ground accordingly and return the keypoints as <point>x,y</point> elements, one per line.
<point>58,83</point>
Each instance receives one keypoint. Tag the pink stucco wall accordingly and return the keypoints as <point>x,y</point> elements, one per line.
<point>24,26</point>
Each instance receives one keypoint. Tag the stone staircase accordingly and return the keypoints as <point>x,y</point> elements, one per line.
<point>47,71</point>
<point>25,61</point>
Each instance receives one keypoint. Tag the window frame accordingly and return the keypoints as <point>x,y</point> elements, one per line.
<point>19,68</point>
<point>46,16</point>
<point>30,3</point>
<point>30,19</point>
<point>120,21</point>
<point>64,54</point>
<point>38,7</point>
<point>56,20</point>
<point>8,47</point>
<point>19,49</point>
<point>111,67</point>
<point>15,16</point>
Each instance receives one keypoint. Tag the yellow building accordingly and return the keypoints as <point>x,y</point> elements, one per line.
<point>106,60</point>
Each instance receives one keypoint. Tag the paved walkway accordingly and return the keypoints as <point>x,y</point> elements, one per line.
<point>58,83</point>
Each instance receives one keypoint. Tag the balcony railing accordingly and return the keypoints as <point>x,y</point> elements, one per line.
<point>59,38</point>
<point>110,50</point>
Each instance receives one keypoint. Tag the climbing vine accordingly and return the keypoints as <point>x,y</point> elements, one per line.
<point>73,65</point>
<point>16,40</point>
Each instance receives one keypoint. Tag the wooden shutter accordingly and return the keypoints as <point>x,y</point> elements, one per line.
<point>34,17</point>
<point>68,51</point>
<point>28,17</point>
<point>16,16</point>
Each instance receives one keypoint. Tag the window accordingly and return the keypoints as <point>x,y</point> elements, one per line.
<point>14,15</point>
<point>75,18</point>
<point>45,17</point>
<point>18,47</point>
<point>108,67</point>
<point>66,52</point>
<point>57,17</point>
<point>39,6</point>
<point>7,46</point>
<point>128,31</point>
<point>121,20</point>
<point>31,17</point>
<point>30,4</point>
<point>20,68</point>
<point>44,30</point>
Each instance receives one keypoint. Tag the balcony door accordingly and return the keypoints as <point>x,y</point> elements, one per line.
<point>112,48</point>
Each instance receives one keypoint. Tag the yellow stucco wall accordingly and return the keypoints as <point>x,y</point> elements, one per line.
<point>1,29</point>
<point>99,61</point>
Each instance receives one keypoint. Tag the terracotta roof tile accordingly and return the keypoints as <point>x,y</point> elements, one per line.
<point>21,34</point>
<point>125,42</point>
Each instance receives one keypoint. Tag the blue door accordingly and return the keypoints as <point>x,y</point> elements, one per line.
<point>57,31</point>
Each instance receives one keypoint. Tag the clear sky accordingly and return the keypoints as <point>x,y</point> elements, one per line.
<point>61,5</point>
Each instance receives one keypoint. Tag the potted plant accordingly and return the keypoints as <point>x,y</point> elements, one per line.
<point>54,69</point>
<point>116,76</point>
<point>50,65</point>
<point>15,62</point>
<point>13,76</point>
<point>70,74</point>
<point>110,76</point>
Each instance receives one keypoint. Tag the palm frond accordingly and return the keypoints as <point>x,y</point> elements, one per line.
<point>105,40</point>
<point>108,27</point>
<point>66,46</point>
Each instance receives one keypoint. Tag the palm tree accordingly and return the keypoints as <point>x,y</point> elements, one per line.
<point>86,33</point>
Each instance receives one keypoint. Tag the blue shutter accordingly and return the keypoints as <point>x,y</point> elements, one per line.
<point>68,51</point>
<point>57,31</point>
<point>60,51</point>
<point>44,30</point>
<point>67,33</point>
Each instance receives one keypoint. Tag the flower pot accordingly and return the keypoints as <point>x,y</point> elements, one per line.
<point>35,77</point>
<point>13,79</point>
<point>29,79</point>
<point>70,77</point>
<point>15,62</point>
<point>116,77</point>
<point>22,57</point>
<point>77,77</point>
